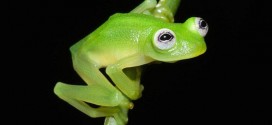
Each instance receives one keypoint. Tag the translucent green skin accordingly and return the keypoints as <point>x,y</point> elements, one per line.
<point>121,45</point>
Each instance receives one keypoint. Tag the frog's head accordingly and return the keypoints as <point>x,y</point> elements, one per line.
<point>178,41</point>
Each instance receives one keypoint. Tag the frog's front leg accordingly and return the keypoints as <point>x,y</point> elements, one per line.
<point>130,87</point>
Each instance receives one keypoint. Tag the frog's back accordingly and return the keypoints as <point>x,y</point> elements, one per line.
<point>116,26</point>
<point>119,36</point>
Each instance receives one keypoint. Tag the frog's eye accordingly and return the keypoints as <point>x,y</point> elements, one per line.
<point>164,39</point>
<point>202,26</point>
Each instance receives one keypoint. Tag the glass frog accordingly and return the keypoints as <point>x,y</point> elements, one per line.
<point>121,45</point>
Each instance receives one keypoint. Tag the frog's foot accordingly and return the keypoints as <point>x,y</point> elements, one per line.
<point>119,118</point>
<point>166,9</point>
<point>163,13</point>
<point>110,121</point>
<point>160,10</point>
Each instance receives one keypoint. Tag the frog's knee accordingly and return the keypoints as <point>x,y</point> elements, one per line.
<point>58,88</point>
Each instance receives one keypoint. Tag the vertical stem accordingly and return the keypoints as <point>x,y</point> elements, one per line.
<point>145,6</point>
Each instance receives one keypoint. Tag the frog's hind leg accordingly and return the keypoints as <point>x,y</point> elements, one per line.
<point>79,95</point>
<point>98,91</point>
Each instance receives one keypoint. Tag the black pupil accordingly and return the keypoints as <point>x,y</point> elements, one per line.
<point>165,37</point>
<point>202,24</point>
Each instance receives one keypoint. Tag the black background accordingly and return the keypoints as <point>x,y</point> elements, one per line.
<point>229,84</point>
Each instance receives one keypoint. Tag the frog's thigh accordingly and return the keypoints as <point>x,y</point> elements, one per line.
<point>77,95</point>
